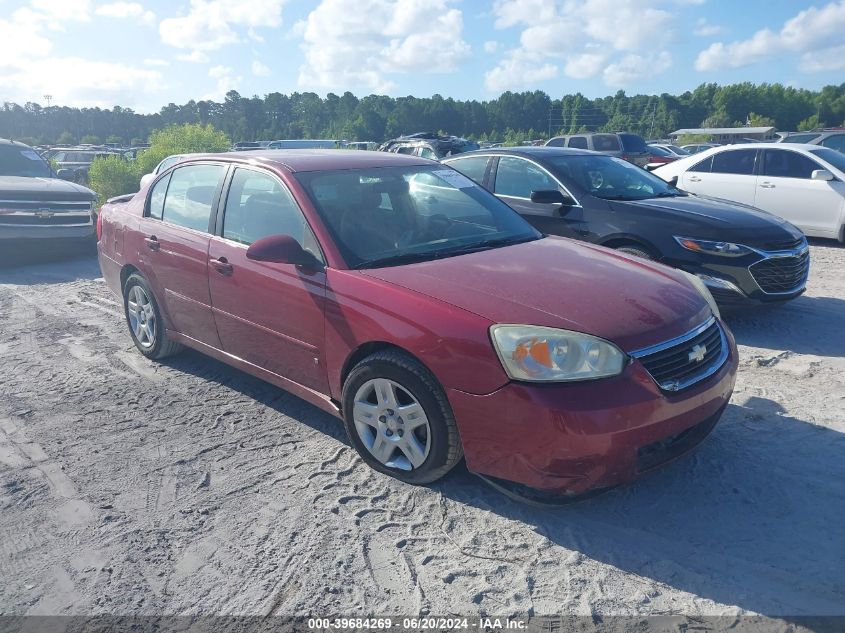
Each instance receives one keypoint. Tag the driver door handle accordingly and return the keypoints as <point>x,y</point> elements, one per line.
<point>694,179</point>
<point>767,185</point>
<point>221,265</point>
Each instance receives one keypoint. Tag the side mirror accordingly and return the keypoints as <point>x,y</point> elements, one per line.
<point>280,249</point>
<point>821,174</point>
<point>65,174</point>
<point>551,196</point>
<point>673,181</point>
<point>146,179</point>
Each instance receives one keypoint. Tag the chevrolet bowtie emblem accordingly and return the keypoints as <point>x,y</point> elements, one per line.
<point>44,214</point>
<point>697,354</point>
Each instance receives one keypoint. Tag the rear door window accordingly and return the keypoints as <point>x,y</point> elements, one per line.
<point>837,142</point>
<point>780,163</point>
<point>737,161</point>
<point>633,143</point>
<point>578,142</point>
<point>472,167</point>
<point>190,195</point>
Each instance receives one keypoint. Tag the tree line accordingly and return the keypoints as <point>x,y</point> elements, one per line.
<point>511,117</point>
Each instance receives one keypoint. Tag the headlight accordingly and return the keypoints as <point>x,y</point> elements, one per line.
<point>544,354</point>
<point>705,292</point>
<point>728,249</point>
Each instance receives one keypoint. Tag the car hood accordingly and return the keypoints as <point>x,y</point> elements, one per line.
<point>712,218</point>
<point>556,282</point>
<point>42,189</point>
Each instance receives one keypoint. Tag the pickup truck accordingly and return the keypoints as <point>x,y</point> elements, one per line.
<point>36,204</point>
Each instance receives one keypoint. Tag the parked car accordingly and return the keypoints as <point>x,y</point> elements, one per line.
<point>305,143</point>
<point>658,156</point>
<point>78,162</point>
<point>429,145</point>
<point>695,148</point>
<point>362,145</point>
<point>745,256</point>
<point>674,149</point>
<point>163,166</point>
<point>434,326</point>
<point>630,147</point>
<point>832,138</point>
<point>804,184</point>
<point>36,204</point>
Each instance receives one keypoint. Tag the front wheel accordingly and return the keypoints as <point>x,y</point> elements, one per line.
<point>636,251</point>
<point>144,319</point>
<point>398,419</point>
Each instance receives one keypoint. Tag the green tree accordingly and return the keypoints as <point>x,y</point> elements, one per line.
<point>180,139</point>
<point>112,176</point>
<point>113,138</point>
<point>66,138</point>
<point>758,120</point>
<point>90,139</point>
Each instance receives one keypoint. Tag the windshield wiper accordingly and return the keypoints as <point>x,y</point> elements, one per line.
<point>670,194</point>
<point>410,258</point>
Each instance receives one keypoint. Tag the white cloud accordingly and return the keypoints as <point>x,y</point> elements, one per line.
<point>704,29</point>
<point>54,14</point>
<point>355,44</point>
<point>633,67</point>
<point>588,38</point>
<point>814,29</point>
<point>78,82</point>
<point>260,70</point>
<point>194,57</point>
<point>226,81</point>
<point>826,60</point>
<point>211,24</point>
<point>491,46</point>
<point>126,10</point>
<point>155,61</point>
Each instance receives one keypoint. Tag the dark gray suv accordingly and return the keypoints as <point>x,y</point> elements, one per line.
<point>630,147</point>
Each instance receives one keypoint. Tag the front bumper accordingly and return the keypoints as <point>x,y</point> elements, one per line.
<point>737,281</point>
<point>572,438</point>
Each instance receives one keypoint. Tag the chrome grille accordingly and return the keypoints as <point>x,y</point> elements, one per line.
<point>45,213</point>
<point>688,359</point>
<point>780,275</point>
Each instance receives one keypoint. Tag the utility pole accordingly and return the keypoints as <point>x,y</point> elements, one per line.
<point>653,114</point>
<point>48,99</point>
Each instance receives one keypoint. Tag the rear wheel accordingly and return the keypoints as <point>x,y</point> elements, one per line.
<point>144,319</point>
<point>398,419</point>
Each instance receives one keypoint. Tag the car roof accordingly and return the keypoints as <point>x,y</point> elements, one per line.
<point>6,141</point>
<point>533,151</point>
<point>301,160</point>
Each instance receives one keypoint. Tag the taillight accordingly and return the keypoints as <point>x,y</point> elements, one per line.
<point>99,224</point>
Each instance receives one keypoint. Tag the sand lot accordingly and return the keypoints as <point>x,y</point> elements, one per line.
<point>129,487</point>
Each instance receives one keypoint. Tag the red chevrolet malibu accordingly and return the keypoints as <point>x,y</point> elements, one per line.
<point>398,295</point>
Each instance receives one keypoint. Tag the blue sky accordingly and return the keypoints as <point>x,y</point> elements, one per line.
<point>146,54</point>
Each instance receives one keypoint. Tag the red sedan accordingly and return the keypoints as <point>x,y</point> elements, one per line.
<point>400,296</point>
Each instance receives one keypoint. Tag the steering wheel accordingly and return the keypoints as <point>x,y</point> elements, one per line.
<point>596,179</point>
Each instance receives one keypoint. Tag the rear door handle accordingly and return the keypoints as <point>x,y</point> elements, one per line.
<point>152,243</point>
<point>221,265</point>
<point>767,185</point>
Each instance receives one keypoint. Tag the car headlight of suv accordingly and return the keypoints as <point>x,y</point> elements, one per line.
<point>705,292</point>
<point>728,249</point>
<point>543,354</point>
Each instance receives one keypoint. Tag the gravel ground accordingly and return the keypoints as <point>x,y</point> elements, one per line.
<point>129,487</point>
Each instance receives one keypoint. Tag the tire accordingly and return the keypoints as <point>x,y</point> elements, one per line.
<point>375,426</point>
<point>636,251</point>
<point>149,338</point>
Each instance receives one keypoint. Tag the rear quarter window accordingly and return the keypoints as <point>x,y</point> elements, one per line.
<point>607,143</point>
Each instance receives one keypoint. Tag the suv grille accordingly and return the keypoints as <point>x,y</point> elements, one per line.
<point>781,274</point>
<point>50,213</point>
<point>681,363</point>
<point>783,245</point>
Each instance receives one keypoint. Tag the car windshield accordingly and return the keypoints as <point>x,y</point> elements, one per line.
<point>837,159</point>
<point>19,160</point>
<point>611,178</point>
<point>394,215</point>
